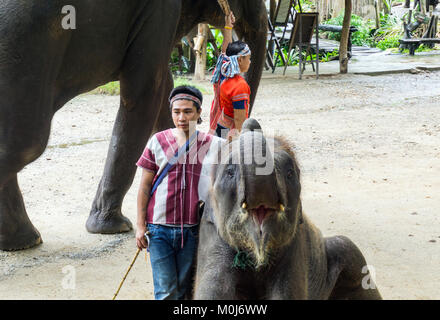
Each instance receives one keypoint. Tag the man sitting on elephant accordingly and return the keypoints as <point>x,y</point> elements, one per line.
<point>170,206</point>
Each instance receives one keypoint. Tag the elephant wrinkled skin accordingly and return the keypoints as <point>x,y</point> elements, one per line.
<point>43,65</point>
<point>260,216</point>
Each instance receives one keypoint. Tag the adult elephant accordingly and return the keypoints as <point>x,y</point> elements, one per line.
<point>43,65</point>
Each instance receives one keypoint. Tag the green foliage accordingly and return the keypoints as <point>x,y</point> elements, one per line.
<point>181,81</point>
<point>387,36</point>
<point>211,59</point>
<point>389,32</point>
<point>328,55</point>
<point>389,42</point>
<point>294,57</point>
<point>359,38</point>
<point>388,4</point>
<point>175,63</point>
<point>424,48</point>
<point>111,89</point>
<point>306,6</point>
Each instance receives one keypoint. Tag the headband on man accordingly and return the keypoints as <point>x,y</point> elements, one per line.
<point>186,96</point>
<point>228,66</point>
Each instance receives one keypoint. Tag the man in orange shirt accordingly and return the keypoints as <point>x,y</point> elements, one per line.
<point>230,107</point>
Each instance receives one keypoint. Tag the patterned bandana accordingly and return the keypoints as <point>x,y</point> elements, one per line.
<point>185,96</point>
<point>228,66</point>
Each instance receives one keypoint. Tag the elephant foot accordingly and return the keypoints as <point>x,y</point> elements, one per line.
<point>26,237</point>
<point>108,223</point>
<point>16,230</point>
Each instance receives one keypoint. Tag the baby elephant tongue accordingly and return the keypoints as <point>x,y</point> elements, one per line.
<point>261,212</point>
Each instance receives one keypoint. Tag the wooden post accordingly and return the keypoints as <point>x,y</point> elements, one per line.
<point>200,49</point>
<point>407,3</point>
<point>273,7</point>
<point>376,8</point>
<point>423,6</point>
<point>345,33</point>
<point>435,27</point>
<point>380,5</point>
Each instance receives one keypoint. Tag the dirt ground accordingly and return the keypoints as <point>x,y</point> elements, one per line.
<point>369,151</point>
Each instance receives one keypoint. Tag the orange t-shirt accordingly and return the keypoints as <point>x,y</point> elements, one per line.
<point>234,94</point>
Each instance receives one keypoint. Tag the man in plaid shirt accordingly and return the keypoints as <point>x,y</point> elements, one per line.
<point>171,213</point>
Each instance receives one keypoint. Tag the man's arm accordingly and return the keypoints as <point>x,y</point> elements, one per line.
<point>227,31</point>
<point>239,118</point>
<point>142,201</point>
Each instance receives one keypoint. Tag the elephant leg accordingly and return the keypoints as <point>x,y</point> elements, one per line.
<point>215,279</point>
<point>16,230</point>
<point>347,269</point>
<point>23,138</point>
<point>254,33</point>
<point>130,135</point>
<point>164,119</point>
<point>144,79</point>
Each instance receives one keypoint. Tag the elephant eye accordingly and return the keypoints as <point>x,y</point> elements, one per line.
<point>230,172</point>
<point>290,173</point>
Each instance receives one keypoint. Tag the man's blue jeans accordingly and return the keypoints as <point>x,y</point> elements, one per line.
<point>171,264</point>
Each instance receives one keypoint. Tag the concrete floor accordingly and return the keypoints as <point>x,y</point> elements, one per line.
<point>378,63</point>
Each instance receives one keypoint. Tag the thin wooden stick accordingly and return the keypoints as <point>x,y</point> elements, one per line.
<point>224,4</point>
<point>125,276</point>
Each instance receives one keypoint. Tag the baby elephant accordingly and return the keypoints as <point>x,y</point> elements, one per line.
<point>255,241</point>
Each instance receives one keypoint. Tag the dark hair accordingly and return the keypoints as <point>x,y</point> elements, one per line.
<point>191,91</point>
<point>235,47</point>
<point>188,90</point>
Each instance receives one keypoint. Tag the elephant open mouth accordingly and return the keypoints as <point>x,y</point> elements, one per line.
<point>260,214</point>
<point>266,223</point>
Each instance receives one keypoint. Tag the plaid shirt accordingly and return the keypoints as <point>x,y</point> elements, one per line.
<point>175,201</point>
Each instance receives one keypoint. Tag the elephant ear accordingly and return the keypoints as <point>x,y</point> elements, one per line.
<point>250,124</point>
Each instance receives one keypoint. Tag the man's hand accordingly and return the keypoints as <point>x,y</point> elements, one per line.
<point>227,31</point>
<point>142,202</point>
<point>233,134</point>
<point>230,20</point>
<point>141,242</point>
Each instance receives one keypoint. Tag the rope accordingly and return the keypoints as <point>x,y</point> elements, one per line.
<point>125,276</point>
<point>242,260</point>
<point>224,4</point>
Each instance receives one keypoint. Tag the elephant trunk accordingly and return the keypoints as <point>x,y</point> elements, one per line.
<point>260,189</point>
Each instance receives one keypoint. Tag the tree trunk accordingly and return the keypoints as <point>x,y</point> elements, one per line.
<point>377,14</point>
<point>273,7</point>
<point>200,48</point>
<point>343,54</point>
